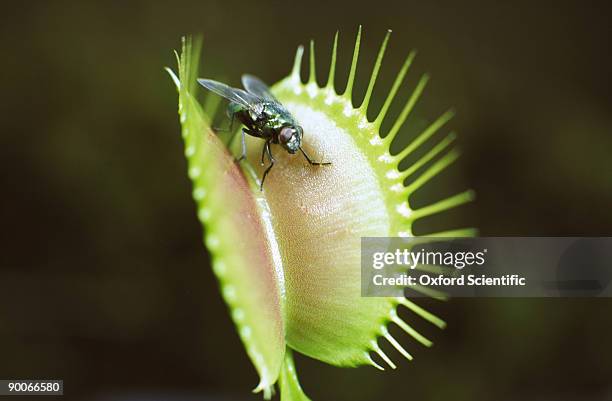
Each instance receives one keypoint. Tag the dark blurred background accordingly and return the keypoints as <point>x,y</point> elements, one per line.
<point>104,281</point>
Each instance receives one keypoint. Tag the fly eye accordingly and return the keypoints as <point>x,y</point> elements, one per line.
<point>286,134</point>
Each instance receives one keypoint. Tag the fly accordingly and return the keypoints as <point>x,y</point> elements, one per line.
<point>263,116</point>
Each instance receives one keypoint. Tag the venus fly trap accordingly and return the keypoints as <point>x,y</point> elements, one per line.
<point>288,258</point>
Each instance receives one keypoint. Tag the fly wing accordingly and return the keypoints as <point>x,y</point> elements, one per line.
<point>257,87</point>
<point>232,94</point>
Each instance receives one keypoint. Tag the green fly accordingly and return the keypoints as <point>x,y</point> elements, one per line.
<point>263,116</point>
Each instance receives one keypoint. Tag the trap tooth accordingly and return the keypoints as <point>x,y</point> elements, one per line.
<point>430,292</point>
<point>332,66</point>
<point>371,362</point>
<point>397,345</point>
<point>425,135</point>
<point>432,171</point>
<point>461,232</point>
<point>430,317</point>
<point>396,84</point>
<point>408,107</point>
<point>348,92</point>
<point>409,330</point>
<point>442,205</point>
<point>312,78</point>
<point>297,65</point>
<point>374,76</point>
<point>436,150</point>
<point>376,348</point>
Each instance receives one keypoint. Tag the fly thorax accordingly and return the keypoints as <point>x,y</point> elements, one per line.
<point>256,112</point>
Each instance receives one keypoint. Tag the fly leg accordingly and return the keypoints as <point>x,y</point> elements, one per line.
<point>244,131</point>
<point>266,149</point>
<point>313,163</point>
<point>243,156</point>
<point>231,140</point>
<point>263,152</point>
